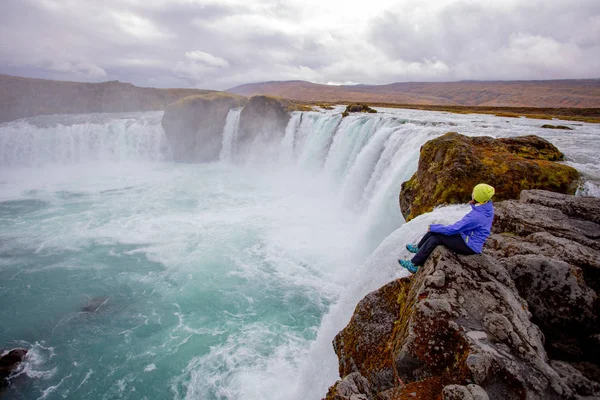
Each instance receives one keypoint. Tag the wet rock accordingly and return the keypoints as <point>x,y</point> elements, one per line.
<point>194,125</point>
<point>357,108</point>
<point>451,165</point>
<point>94,304</point>
<point>548,126</point>
<point>9,362</point>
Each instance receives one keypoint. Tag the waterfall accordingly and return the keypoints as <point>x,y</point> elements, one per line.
<point>364,157</point>
<point>319,133</point>
<point>230,132</point>
<point>289,139</point>
<point>231,278</point>
<point>75,139</point>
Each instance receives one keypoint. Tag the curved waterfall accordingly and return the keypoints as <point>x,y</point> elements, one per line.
<point>225,280</point>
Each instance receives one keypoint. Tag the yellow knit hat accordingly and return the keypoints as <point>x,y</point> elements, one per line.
<point>483,192</point>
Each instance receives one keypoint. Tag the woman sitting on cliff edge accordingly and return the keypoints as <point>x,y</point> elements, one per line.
<point>467,236</point>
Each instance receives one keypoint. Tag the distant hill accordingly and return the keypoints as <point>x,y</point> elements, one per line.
<point>27,97</point>
<point>584,93</point>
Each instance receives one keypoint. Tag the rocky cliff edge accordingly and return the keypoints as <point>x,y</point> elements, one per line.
<point>519,321</point>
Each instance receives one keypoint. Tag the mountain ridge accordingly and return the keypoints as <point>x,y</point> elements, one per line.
<point>564,93</point>
<point>22,97</point>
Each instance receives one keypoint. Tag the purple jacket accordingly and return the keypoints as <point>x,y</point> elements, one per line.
<point>474,228</point>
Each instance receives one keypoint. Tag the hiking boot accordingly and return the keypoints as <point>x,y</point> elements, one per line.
<point>412,248</point>
<point>409,266</point>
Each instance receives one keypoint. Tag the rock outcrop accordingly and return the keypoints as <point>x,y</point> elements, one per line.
<point>262,120</point>
<point>9,363</point>
<point>518,321</point>
<point>451,165</point>
<point>194,125</point>
<point>548,126</point>
<point>550,245</point>
<point>94,304</point>
<point>358,108</point>
<point>26,97</point>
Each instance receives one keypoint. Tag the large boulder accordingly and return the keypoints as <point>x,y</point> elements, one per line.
<point>194,125</point>
<point>262,121</point>
<point>519,321</point>
<point>451,165</point>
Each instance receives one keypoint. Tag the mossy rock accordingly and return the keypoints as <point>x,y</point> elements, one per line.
<point>194,125</point>
<point>325,106</point>
<point>372,354</point>
<point>358,108</point>
<point>451,165</point>
<point>296,106</point>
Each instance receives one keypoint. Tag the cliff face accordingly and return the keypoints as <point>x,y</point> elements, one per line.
<point>26,97</point>
<point>194,125</point>
<point>519,321</point>
<point>262,120</point>
<point>451,165</point>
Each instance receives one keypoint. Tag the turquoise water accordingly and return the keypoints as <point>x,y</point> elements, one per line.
<point>203,269</point>
<point>130,277</point>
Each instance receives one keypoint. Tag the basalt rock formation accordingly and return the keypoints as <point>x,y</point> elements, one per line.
<point>451,165</point>
<point>194,125</point>
<point>520,321</point>
<point>27,97</point>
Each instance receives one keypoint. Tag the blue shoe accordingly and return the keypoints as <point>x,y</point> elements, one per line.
<point>412,248</point>
<point>409,266</point>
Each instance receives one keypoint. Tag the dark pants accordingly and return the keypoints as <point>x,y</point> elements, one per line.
<point>431,240</point>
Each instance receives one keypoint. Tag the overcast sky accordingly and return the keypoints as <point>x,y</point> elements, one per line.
<point>221,44</point>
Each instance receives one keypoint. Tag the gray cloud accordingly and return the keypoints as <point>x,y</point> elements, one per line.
<point>530,40</point>
<point>217,45</point>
